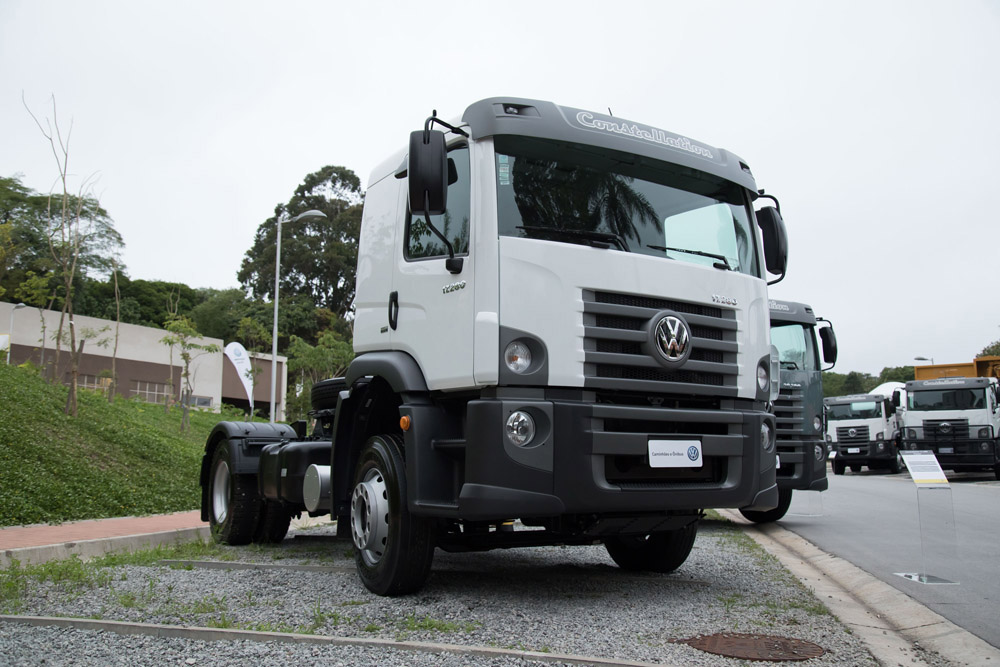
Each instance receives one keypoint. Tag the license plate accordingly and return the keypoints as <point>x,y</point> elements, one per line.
<point>853,450</point>
<point>675,454</point>
<point>946,450</point>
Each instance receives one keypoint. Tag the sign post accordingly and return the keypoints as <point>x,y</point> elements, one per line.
<point>936,512</point>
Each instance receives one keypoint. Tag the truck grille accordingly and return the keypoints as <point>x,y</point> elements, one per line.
<point>844,436</point>
<point>788,412</point>
<point>946,429</point>
<point>615,335</point>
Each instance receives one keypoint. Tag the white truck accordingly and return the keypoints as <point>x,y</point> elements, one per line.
<point>956,418</point>
<point>562,319</point>
<point>866,429</point>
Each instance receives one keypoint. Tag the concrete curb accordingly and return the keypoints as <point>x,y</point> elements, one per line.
<point>895,627</point>
<point>87,549</point>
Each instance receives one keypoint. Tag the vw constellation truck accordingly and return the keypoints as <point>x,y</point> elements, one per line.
<point>864,430</point>
<point>561,338</point>
<point>956,418</point>
<point>798,410</point>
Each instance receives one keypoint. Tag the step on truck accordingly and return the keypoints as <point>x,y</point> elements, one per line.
<point>864,430</point>
<point>561,337</point>
<point>956,418</point>
<point>798,411</point>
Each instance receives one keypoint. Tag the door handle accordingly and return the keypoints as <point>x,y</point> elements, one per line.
<point>393,309</point>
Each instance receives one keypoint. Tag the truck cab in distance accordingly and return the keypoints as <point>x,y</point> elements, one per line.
<point>956,418</point>
<point>863,430</point>
<point>561,319</point>
<point>798,411</point>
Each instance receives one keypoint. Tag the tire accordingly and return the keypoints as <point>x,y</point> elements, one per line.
<point>855,467</point>
<point>996,470</point>
<point>234,505</point>
<point>838,467</point>
<point>325,393</point>
<point>896,465</point>
<point>393,550</point>
<point>272,525</point>
<point>658,552</point>
<point>767,516</point>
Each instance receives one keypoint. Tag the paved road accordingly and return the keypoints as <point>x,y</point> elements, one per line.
<point>879,523</point>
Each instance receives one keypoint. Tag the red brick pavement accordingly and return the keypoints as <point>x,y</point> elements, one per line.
<point>18,537</point>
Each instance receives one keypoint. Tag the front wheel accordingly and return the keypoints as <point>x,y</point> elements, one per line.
<point>838,467</point>
<point>767,516</point>
<point>234,503</point>
<point>657,552</point>
<point>896,465</point>
<point>855,467</point>
<point>393,550</point>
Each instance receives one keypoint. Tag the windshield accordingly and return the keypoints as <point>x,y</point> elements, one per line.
<point>858,410</point>
<point>572,193</point>
<point>947,399</point>
<point>796,349</point>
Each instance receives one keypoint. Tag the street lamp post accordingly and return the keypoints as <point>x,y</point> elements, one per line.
<point>308,215</point>
<point>10,336</point>
<point>930,359</point>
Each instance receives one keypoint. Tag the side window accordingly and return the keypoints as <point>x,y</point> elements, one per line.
<point>421,242</point>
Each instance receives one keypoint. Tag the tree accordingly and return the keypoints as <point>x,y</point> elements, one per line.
<point>318,257</point>
<point>184,336</point>
<point>308,364</point>
<point>74,222</point>
<point>991,350</point>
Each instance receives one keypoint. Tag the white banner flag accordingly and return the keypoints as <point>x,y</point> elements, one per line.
<point>244,368</point>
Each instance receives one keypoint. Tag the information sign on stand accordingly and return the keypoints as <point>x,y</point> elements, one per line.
<point>937,516</point>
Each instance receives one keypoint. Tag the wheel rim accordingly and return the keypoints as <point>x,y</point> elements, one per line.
<point>220,493</point>
<point>370,516</point>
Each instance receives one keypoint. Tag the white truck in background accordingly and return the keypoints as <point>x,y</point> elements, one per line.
<point>562,318</point>
<point>865,429</point>
<point>956,418</point>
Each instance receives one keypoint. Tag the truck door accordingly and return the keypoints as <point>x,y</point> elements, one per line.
<point>435,309</point>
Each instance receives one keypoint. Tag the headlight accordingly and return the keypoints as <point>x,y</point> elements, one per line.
<point>879,436</point>
<point>817,423</point>
<point>911,434</point>
<point>517,356</point>
<point>766,439</point>
<point>984,432</point>
<point>763,380</point>
<point>520,428</point>
<point>829,438</point>
<point>819,452</point>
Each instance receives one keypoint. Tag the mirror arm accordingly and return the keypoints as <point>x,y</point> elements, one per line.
<point>434,119</point>
<point>777,280</point>
<point>453,264</point>
<point>777,204</point>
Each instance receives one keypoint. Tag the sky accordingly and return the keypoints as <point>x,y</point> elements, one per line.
<point>876,123</point>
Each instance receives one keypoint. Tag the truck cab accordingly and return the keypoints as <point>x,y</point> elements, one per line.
<point>561,319</point>
<point>956,418</point>
<point>798,410</point>
<point>863,430</point>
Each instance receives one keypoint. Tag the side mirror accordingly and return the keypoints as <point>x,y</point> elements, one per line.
<point>895,398</point>
<point>427,171</point>
<point>890,409</point>
<point>775,241</point>
<point>829,341</point>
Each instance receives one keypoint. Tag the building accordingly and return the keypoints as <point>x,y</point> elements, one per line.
<point>145,366</point>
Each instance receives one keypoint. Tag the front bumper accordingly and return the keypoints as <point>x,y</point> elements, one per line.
<point>588,458</point>
<point>959,454</point>
<point>865,452</point>
<point>799,469</point>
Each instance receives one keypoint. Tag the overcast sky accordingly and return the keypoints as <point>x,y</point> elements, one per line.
<point>877,124</point>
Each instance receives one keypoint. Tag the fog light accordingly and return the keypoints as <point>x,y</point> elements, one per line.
<point>765,436</point>
<point>984,432</point>
<point>829,438</point>
<point>819,452</point>
<point>817,423</point>
<point>520,428</point>
<point>984,446</point>
<point>517,356</point>
<point>880,446</point>
<point>911,434</point>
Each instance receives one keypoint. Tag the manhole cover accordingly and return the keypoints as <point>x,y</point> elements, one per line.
<point>754,647</point>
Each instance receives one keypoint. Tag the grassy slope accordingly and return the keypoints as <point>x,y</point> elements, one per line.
<point>113,460</point>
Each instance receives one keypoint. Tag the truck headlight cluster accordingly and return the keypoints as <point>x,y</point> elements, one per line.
<point>517,356</point>
<point>984,432</point>
<point>520,428</point>
<point>766,436</point>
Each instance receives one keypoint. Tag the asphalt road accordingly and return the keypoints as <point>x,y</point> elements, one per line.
<point>881,524</point>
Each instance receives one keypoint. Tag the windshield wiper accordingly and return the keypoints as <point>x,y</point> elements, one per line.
<point>597,239</point>
<point>790,365</point>
<point>723,263</point>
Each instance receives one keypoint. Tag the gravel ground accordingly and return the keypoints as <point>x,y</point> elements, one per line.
<point>570,600</point>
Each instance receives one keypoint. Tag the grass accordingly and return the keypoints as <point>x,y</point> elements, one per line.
<point>122,459</point>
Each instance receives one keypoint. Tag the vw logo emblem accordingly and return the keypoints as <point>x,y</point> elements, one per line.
<point>944,427</point>
<point>852,432</point>
<point>693,453</point>
<point>672,338</point>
